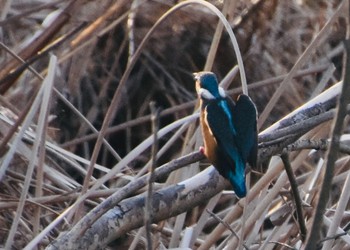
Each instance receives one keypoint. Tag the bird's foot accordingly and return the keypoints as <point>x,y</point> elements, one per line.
<point>202,149</point>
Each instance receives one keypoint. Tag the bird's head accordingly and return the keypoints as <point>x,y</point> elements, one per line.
<point>207,86</point>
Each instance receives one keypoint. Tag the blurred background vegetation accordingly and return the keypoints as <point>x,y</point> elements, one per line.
<point>94,42</point>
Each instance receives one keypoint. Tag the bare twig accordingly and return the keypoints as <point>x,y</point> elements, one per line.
<point>227,226</point>
<point>318,144</point>
<point>223,223</point>
<point>153,165</point>
<point>296,195</point>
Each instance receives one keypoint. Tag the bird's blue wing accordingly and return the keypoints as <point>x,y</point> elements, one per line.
<point>244,117</point>
<point>229,163</point>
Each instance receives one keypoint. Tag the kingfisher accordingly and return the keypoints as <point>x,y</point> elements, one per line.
<point>229,130</point>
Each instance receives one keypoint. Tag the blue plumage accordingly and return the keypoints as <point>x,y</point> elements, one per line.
<point>229,130</point>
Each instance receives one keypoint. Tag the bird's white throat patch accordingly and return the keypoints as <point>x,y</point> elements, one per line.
<point>205,94</point>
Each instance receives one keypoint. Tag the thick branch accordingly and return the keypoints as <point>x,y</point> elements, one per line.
<point>129,214</point>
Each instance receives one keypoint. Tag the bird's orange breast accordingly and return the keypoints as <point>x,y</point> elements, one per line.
<point>210,144</point>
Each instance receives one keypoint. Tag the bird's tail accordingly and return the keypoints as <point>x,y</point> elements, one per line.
<point>237,179</point>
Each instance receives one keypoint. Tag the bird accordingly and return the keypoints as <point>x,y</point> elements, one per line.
<point>229,130</point>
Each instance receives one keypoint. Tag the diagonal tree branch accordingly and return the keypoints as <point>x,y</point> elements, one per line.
<point>129,214</point>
